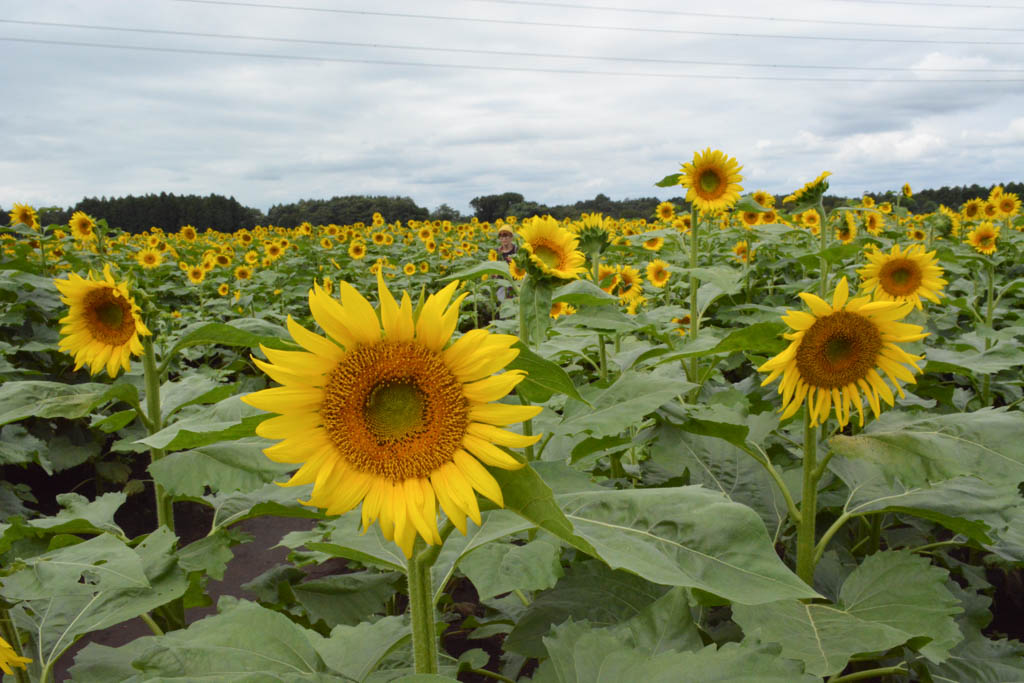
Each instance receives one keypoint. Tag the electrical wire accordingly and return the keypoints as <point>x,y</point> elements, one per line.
<point>478,67</point>
<point>503,53</point>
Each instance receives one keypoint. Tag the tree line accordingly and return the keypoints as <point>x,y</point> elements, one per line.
<point>226,214</point>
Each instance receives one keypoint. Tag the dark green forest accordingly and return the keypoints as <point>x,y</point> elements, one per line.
<point>170,211</point>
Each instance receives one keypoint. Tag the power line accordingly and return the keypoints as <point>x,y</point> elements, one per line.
<point>931,4</point>
<point>478,67</point>
<point>747,17</point>
<point>502,53</point>
<point>546,24</point>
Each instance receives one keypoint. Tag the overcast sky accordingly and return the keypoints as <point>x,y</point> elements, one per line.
<point>279,100</point>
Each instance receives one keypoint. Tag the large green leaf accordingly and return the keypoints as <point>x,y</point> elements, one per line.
<point>229,334</point>
<point>57,618</point>
<point>627,402</point>
<point>226,466</point>
<point>189,390</point>
<point>892,598</point>
<point>346,598</point>
<point>583,293</point>
<point>79,515</point>
<point>579,652</point>
<point>980,660</point>
<point>535,308</point>
<point>686,536</point>
<point>501,567</point>
<point>918,449</point>
<point>35,398</point>
<point>347,540</point>
<point>543,378</point>
<point>499,268</point>
<point>280,501</point>
<point>591,591</point>
<point>356,651</point>
<point>1002,356</point>
<point>225,420</point>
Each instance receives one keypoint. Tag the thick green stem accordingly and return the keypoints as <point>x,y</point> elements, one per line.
<point>870,674</point>
<point>602,356</point>
<point>524,328</point>
<point>819,550</point>
<point>808,505</point>
<point>595,274</point>
<point>527,429</point>
<point>164,503</point>
<point>421,608</point>
<point>823,286</point>
<point>990,308</point>
<point>694,283</point>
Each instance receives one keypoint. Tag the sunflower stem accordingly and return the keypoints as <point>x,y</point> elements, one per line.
<point>9,632</point>
<point>694,282</point>
<point>990,308</point>
<point>595,264</point>
<point>823,286</point>
<point>421,608</point>
<point>808,505</point>
<point>164,504</point>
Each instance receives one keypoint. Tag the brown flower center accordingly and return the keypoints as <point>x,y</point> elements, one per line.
<point>109,316</point>
<point>900,277</point>
<point>394,409</point>
<point>711,182</point>
<point>838,349</point>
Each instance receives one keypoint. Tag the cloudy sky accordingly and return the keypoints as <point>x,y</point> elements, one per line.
<point>445,100</point>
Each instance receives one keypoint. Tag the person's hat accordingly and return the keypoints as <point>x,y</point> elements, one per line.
<point>505,229</point>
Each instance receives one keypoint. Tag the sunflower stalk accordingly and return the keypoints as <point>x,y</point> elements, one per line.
<point>694,283</point>
<point>805,556</point>
<point>595,272</point>
<point>421,607</point>
<point>990,309</point>
<point>823,285</point>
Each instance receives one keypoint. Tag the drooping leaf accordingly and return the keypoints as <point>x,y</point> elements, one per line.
<point>36,398</point>
<point>356,651</point>
<point>502,567</point>
<point>543,378</point>
<point>226,420</point>
<point>225,466</point>
<point>583,293</point>
<point>346,598</point>
<point>189,390</point>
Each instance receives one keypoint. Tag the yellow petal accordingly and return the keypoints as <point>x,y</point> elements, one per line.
<point>478,477</point>
<point>502,413</point>
<point>489,454</point>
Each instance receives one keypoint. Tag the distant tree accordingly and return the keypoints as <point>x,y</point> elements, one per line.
<point>446,213</point>
<point>491,207</point>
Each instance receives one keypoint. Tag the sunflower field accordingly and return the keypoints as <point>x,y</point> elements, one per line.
<point>744,439</point>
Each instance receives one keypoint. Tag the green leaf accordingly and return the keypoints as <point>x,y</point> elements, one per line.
<point>18,447</point>
<point>748,203</point>
<point>35,398</point>
<point>981,660</point>
<point>906,592</point>
<point>579,652</point>
<point>1000,357</point>
<point>280,501</point>
<point>118,420</point>
<point>357,651</point>
<point>890,599</point>
<point>347,540</point>
<point>54,621</point>
<point>499,268</point>
<point>229,419</point>
<point>535,308</point>
<point>726,278</point>
<point>210,555</point>
<point>604,319</point>
<point>231,334</point>
<point>583,293</point>
<point>762,337</point>
<point>243,639</point>
<point>685,536</point>
<point>591,591</point>
<point>226,466</point>
<point>627,402</point>
<point>669,180</point>
<point>918,449</point>
<point>79,515</point>
<point>346,598</point>
<point>543,378</point>
<point>190,390</point>
<point>501,567</point>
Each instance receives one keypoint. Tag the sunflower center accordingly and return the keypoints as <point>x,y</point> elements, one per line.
<point>109,317</point>
<point>548,256</point>
<point>395,410</point>
<point>838,350</point>
<point>710,180</point>
<point>900,277</point>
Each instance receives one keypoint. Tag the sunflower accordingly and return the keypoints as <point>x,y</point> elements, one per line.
<point>902,275</point>
<point>764,198</point>
<point>682,223</point>
<point>102,326</point>
<point>424,267</point>
<point>907,192</point>
<point>867,201</point>
<point>1009,204</point>
<point>712,180</point>
<point>972,208</point>
<point>399,421</point>
<point>847,232</point>
<point>658,272</point>
<point>9,658</point>
<point>990,209</point>
<point>82,226</point>
<point>25,214</point>
<point>885,207</point>
<point>357,249</point>
<point>630,283</point>
<point>654,243</point>
<point>560,308</point>
<point>377,238</point>
<point>836,352</point>
<point>750,218</point>
<point>916,233</point>
<point>149,258</point>
<point>243,273</point>
<point>196,274</point>
<point>983,238</point>
<point>769,217</point>
<point>666,211</point>
<point>742,253</point>
<point>551,248</point>
<point>811,220</point>
<point>874,222</point>
<point>607,277</point>
<point>811,192</point>
<point>409,269</point>
<point>682,325</point>
<point>188,233</point>
<point>223,289</point>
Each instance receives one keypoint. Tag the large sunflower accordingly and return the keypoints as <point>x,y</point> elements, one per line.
<point>552,248</point>
<point>385,412</point>
<point>102,326</point>
<point>836,352</point>
<point>712,180</point>
<point>25,214</point>
<point>902,275</point>
<point>82,226</point>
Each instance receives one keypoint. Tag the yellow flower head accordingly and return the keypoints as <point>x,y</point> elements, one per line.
<point>9,658</point>
<point>741,251</point>
<point>551,248</point>
<point>907,192</point>
<point>902,275</point>
<point>658,273</point>
<point>836,352</point>
<point>666,211</point>
<point>811,192</point>
<point>388,412</point>
<point>149,258</point>
<point>25,214</point>
<point>102,326</point>
<point>983,238</point>
<point>82,226</point>
<point>712,180</point>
